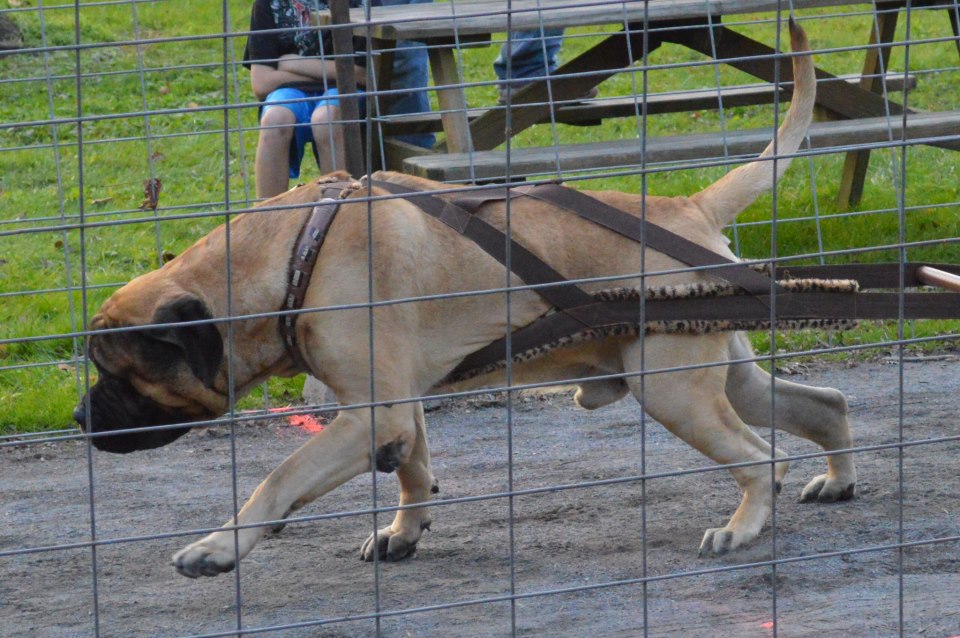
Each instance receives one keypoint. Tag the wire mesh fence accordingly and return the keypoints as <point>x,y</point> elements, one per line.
<point>131,129</point>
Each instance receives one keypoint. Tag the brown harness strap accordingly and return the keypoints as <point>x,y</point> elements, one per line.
<point>576,309</point>
<point>656,237</point>
<point>303,260</point>
<point>474,200</point>
<point>882,275</point>
<point>753,308</point>
<point>620,222</point>
<point>530,268</point>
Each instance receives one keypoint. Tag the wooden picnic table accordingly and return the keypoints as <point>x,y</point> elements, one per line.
<point>638,26</point>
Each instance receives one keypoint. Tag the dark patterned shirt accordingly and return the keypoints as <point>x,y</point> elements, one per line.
<point>300,34</point>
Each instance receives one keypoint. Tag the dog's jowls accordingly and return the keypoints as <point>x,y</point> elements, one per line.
<point>179,373</point>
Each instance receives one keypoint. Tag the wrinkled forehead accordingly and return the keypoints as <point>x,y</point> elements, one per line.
<point>113,352</point>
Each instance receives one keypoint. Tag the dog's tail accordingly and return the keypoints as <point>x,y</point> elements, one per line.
<point>728,196</point>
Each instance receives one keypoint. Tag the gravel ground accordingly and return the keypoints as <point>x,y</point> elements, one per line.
<point>587,542</point>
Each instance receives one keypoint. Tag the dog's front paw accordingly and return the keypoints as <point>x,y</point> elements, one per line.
<point>827,490</point>
<point>204,558</point>
<point>721,540</point>
<point>389,545</point>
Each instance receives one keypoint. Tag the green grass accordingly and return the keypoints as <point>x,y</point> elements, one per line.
<point>201,167</point>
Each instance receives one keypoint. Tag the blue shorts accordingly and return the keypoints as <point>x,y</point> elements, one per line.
<point>302,104</point>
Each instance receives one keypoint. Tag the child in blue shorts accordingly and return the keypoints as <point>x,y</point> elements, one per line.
<point>293,72</point>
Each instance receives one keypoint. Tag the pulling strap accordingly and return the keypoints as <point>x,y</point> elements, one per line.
<point>527,266</point>
<point>629,226</point>
<point>656,237</point>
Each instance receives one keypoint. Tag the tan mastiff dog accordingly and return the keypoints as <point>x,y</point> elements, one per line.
<point>179,374</point>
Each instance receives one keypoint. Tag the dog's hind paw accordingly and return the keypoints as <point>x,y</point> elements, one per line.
<point>389,546</point>
<point>826,490</point>
<point>200,559</point>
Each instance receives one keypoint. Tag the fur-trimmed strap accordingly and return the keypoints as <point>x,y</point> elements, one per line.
<point>699,309</point>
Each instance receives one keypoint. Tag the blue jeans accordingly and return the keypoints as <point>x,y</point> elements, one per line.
<point>410,72</point>
<point>533,55</point>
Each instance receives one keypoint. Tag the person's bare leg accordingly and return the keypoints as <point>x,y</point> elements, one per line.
<point>328,136</point>
<point>273,152</point>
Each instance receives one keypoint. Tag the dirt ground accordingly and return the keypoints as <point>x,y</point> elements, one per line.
<point>563,539</point>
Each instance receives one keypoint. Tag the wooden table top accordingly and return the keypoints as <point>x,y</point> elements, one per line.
<point>479,18</point>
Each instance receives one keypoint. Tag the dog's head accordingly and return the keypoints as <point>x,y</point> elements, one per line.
<point>151,376</point>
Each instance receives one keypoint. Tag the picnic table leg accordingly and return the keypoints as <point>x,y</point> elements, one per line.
<point>955,23</point>
<point>532,103</point>
<point>872,79</point>
<point>347,86</point>
<point>452,101</point>
<point>381,79</point>
<point>756,58</point>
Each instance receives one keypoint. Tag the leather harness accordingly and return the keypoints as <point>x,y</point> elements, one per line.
<point>303,260</point>
<point>576,309</point>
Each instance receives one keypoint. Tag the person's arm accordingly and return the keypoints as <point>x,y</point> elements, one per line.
<point>317,69</point>
<point>264,79</point>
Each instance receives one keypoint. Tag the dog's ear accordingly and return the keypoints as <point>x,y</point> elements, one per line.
<point>201,344</point>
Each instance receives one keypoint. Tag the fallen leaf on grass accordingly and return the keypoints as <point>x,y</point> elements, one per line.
<point>151,193</point>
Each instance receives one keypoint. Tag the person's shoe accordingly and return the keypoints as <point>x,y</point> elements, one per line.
<point>502,100</point>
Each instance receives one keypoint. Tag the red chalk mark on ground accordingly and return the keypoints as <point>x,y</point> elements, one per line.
<point>767,625</point>
<point>306,422</point>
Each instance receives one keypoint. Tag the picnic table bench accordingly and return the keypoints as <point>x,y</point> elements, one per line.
<point>861,106</point>
<point>594,111</point>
